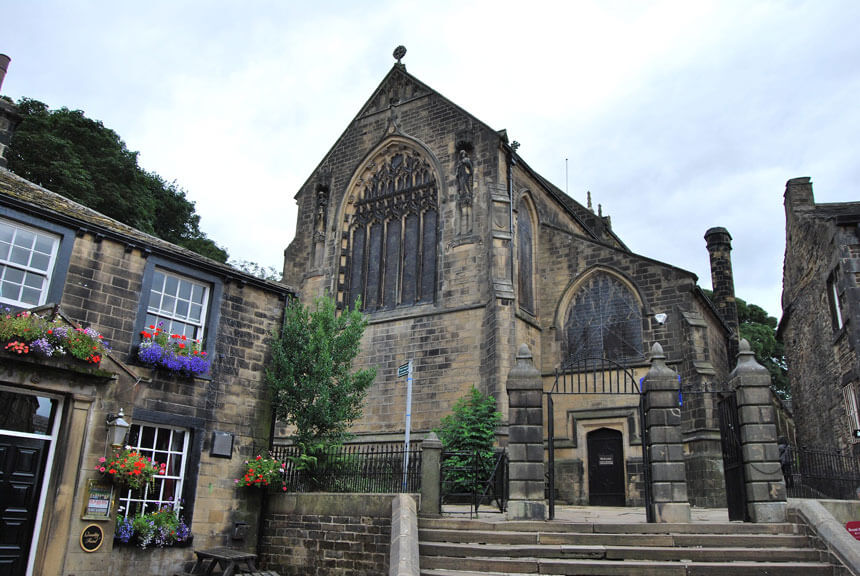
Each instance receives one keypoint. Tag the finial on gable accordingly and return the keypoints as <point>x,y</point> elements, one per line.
<point>399,53</point>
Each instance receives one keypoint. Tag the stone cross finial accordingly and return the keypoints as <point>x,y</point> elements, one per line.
<point>399,53</point>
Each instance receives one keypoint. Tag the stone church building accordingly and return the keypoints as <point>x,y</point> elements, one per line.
<point>460,252</point>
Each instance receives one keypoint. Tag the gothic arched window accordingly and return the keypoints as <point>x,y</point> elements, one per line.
<point>392,233</point>
<point>525,257</point>
<point>604,320</point>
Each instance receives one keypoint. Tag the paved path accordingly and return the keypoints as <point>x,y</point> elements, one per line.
<point>591,514</point>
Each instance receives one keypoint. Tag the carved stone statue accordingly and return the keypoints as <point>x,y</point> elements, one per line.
<point>465,179</point>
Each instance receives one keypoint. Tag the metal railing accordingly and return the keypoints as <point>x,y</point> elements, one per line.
<point>378,468</point>
<point>820,474</point>
<point>474,479</point>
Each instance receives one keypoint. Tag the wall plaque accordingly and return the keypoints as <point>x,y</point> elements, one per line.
<point>98,501</point>
<point>92,538</point>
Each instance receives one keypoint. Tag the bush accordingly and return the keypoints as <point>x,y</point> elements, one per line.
<point>469,432</point>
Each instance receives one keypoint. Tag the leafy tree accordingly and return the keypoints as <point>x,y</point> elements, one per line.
<point>760,331</point>
<point>265,272</point>
<point>310,372</point>
<point>81,159</point>
<point>469,433</point>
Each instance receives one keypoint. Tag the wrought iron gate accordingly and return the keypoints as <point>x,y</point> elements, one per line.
<point>598,376</point>
<point>733,462</point>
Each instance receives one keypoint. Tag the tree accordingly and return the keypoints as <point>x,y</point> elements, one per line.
<point>759,329</point>
<point>469,432</point>
<point>253,268</point>
<point>81,159</point>
<point>310,374</point>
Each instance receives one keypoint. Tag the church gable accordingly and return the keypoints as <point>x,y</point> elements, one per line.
<point>397,88</point>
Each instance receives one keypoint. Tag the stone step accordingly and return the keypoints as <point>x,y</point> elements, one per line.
<point>661,553</point>
<point>763,540</point>
<point>478,566</point>
<point>619,528</point>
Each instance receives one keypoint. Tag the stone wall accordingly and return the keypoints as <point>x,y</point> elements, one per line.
<point>327,534</point>
<point>821,245</point>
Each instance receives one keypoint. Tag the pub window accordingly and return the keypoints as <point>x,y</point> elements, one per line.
<point>604,320</point>
<point>27,257</point>
<point>163,445</point>
<point>849,394</point>
<point>525,257</point>
<point>834,301</point>
<point>393,234</point>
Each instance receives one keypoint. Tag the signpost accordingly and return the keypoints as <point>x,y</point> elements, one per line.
<point>406,370</point>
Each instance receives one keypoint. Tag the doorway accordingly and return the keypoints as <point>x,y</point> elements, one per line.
<point>28,427</point>
<point>605,468</point>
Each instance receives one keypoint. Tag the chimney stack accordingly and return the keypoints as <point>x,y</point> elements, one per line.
<point>722,280</point>
<point>4,65</point>
<point>9,116</point>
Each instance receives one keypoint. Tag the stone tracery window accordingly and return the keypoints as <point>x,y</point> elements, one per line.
<point>525,258</point>
<point>604,320</point>
<point>392,233</point>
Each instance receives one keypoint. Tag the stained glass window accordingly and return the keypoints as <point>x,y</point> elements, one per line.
<point>604,321</point>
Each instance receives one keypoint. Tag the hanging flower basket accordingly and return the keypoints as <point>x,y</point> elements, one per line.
<point>172,353</point>
<point>129,468</point>
<point>26,333</point>
<point>262,472</point>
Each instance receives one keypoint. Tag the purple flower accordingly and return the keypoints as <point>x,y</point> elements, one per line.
<point>42,346</point>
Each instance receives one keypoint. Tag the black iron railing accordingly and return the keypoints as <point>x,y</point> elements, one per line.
<point>379,468</point>
<point>820,474</point>
<point>475,479</point>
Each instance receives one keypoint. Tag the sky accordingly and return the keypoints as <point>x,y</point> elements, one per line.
<point>677,116</point>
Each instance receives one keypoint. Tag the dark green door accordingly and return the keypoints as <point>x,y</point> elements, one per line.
<point>22,463</point>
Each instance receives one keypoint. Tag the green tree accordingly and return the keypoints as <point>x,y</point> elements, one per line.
<point>310,374</point>
<point>265,272</point>
<point>469,432</point>
<point>759,329</point>
<point>81,159</point>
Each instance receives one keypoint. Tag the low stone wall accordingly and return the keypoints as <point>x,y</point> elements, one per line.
<point>327,534</point>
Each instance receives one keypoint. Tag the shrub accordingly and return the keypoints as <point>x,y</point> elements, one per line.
<point>469,432</point>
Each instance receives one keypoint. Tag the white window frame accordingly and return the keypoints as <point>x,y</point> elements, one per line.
<point>835,301</point>
<point>850,396</point>
<point>151,497</point>
<point>6,263</point>
<point>166,311</point>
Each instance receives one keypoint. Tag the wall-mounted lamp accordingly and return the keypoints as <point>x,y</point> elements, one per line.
<point>660,318</point>
<point>117,428</point>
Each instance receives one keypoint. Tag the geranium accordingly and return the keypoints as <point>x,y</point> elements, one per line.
<point>130,468</point>
<point>262,472</point>
<point>162,528</point>
<point>29,333</point>
<point>173,352</point>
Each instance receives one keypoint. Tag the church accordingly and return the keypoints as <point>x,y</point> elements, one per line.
<point>459,252</point>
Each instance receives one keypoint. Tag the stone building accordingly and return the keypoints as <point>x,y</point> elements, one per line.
<point>459,252</point>
<point>58,257</point>
<point>820,323</point>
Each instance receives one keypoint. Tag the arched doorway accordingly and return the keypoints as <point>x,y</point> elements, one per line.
<point>605,468</point>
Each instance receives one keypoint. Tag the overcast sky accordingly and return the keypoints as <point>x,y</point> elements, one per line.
<point>677,116</point>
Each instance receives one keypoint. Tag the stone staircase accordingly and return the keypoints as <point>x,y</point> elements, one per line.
<point>459,547</point>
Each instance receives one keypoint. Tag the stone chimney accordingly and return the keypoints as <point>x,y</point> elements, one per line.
<point>720,249</point>
<point>9,116</point>
<point>4,65</point>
